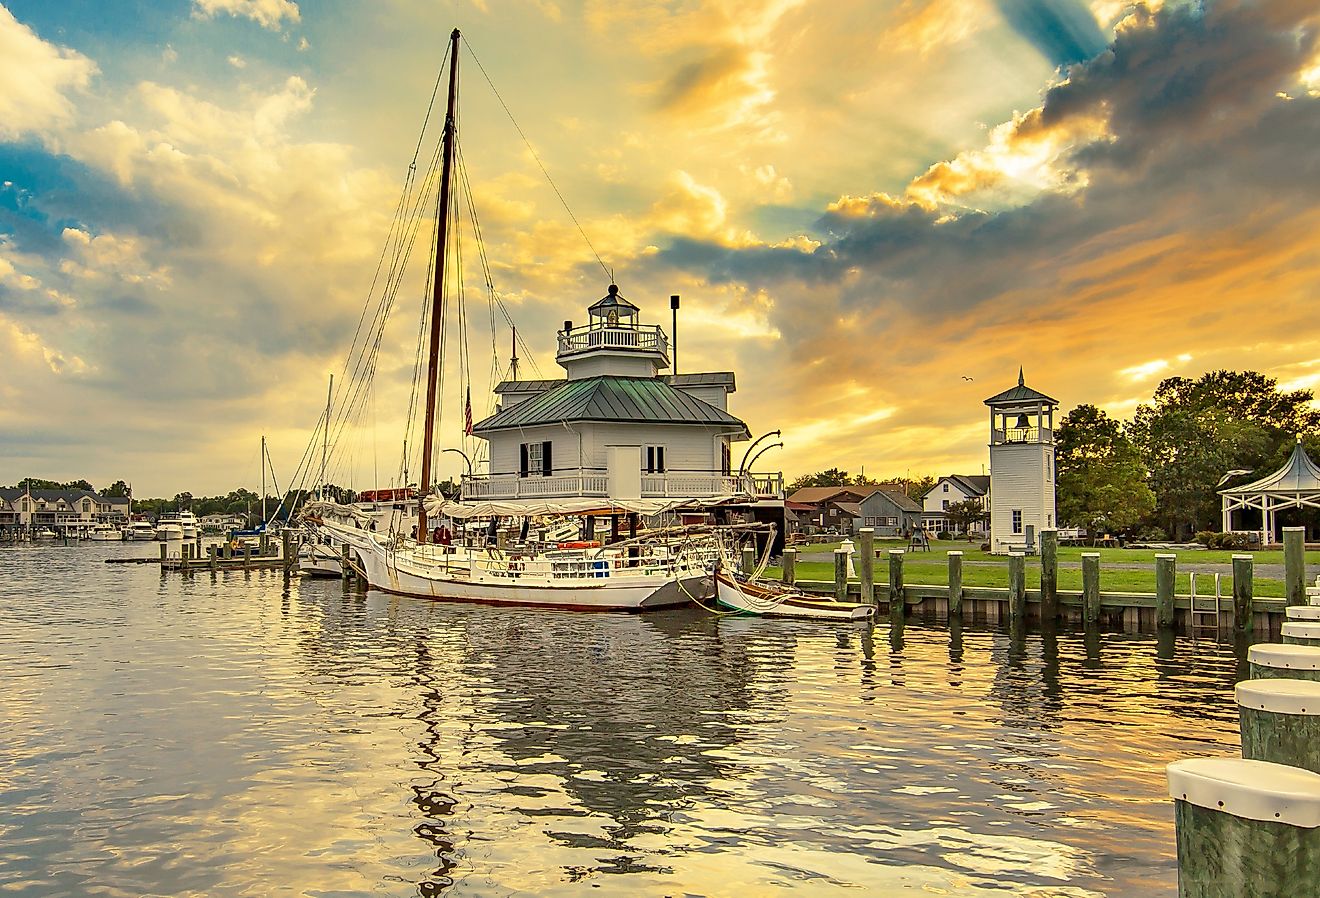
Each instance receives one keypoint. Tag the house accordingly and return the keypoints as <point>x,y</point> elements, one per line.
<point>889,512</point>
<point>846,509</point>
<point>615,426</point>
<point>70,511</point>
<point>950,490</point>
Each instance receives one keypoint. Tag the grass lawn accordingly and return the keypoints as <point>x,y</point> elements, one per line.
<point>931,568</point>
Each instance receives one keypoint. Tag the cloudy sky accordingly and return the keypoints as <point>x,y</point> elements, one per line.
<point>862,203</point>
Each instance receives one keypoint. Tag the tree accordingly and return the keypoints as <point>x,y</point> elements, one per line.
<point>828,477</point>
<point>1194,431</point>
<point>964,514</point>
<point>118,490</point>
<point>1100,479</point>
<point>917,487</point>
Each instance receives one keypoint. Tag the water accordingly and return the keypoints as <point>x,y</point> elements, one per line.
<point>234,736</point>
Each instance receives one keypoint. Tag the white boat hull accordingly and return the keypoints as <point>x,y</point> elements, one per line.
<point>167,532</point>
<point>101,536</point>
<point>741,596</point>
<point>404,573</point>
<point>319,561</point>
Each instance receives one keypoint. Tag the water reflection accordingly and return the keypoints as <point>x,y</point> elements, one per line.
<point>242,734</point>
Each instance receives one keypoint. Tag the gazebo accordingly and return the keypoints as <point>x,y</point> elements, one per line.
<point>1295,485</point>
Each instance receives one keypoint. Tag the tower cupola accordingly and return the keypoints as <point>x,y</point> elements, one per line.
<point>613,342</point>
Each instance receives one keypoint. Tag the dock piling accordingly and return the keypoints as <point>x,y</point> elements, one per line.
<point>1090,587</point>
<point>286,545</point>
<point>1049,575</point>
<point>213,557</point>
<point>1017,588</point>
<point>1280,721</point>
<point>748,560</point>
<point>897,606</point>
<point>790,566</point>
<point>866,573</point>
<point>1294,565</point>
<point>1242,590</point>
<point>1166,572</point>
<point>841,575</point>
<point>955,583</point>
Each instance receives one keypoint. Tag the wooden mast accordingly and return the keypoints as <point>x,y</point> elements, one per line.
<point>438,287</point>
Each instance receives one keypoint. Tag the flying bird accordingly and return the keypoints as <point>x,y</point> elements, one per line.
<point>965,377</point>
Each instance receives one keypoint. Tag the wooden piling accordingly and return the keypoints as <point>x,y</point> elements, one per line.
<point>790,566</point>
<point>247,557</point>
<point>213,553</point>
<point>286,545</point>
<point>866,573</point>
<point>1166,572</point>
<point>1090,587</point>
<point>748,559</point>
<point>897,605</point>
<point>346,566</point>
<point>955,583</point>
<point>1017,588</point>
<point>1242,590</point>
<point>1279,721</point>
<point>1049,575</point>
<point>841,574</point>
<point>164,552</point>
<point>1294,565</point>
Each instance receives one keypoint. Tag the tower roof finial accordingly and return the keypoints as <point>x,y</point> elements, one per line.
<point>1021,381</point>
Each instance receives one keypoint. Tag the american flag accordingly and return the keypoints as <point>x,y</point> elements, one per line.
<point>467,414</point>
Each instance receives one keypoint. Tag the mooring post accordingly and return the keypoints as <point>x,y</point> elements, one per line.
<point>247,556</point>
<point>1245,827</point>
<point>214,555</point>
<point>1280,721</point>
<point>1294,565</point>
<point>790,566</point>
<point>866,574</point>
<point>265,543</point>
<point>1017,588</point>
<point>841,574</point>
<point>897,606</point>
<point>1242,590</point>
<point>1049,575</point>
<point>346,568</point>
<point>1090,587</point>
<point>955,583</point>
<point>286,544</point>
<point>1166,572</point>
<point>748,560</point>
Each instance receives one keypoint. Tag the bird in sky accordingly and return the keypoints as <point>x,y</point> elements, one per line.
<point>965,377</point>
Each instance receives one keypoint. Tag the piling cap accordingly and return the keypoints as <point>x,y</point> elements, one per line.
<point>1253,790</point>
<point>1285,657</point>
<point>1303,612</point>
<point>1304,629</point>
<point>1280,696</point>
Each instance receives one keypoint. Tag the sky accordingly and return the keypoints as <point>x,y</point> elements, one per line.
<point>874,212</point>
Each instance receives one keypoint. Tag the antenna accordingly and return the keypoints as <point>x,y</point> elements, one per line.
<point>513,375</point>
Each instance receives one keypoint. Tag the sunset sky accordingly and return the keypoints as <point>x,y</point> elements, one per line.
<point>862,204</point>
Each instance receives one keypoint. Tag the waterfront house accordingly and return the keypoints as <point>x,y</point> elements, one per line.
<point>845,509</point>
<point>889,512</point>
<point>70,511</point>
<point>616,426</point>
<point>950,490</point>
<point>817,508</point>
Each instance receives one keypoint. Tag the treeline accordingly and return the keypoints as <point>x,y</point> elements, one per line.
<point>913,487</point>
<point>237,502</point>
<point>1158,475</point>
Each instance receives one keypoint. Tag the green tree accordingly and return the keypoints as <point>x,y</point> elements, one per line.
<point>119,489</point>
<point>964,514</point>
<point>1194,431</point>
<point>1100,478</point>
<point>828,477</point>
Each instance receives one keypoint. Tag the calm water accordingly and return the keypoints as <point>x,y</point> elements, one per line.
<point>239,737</point>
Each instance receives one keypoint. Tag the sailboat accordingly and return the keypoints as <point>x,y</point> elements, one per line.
<point>633,573</point>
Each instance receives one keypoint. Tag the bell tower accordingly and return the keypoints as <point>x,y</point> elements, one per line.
<point>1021,467</point>
<point>614,341</point>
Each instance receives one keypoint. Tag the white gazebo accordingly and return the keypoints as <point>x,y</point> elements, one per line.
<point>1295,485</point>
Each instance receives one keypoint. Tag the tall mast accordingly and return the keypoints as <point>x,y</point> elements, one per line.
<point>325,435</point>
<point>438,286</point>
<point>514,373</point>
<point>263,479</point>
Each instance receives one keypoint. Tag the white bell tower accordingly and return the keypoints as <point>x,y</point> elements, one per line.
<point>1021,467</point>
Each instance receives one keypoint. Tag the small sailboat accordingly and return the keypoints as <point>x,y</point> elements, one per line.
<point>768,599</point>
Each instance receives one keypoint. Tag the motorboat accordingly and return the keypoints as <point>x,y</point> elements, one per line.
<point>169,527</point>
<point>188,521</point>
<point>139,530</point>
<point>105,533</point>
<point>45,533</point>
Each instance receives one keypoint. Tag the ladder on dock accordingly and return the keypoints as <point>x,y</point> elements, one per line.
<point>1197,614</point>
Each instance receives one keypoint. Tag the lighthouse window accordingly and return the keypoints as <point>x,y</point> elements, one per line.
<point>1017,520</point>
<point>655,459</point>
<point>534,460</point>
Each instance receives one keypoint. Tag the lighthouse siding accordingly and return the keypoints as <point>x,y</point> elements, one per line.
<point>1021,480</point>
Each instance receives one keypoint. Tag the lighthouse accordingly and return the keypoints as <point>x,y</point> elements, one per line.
<point>1021,467</point>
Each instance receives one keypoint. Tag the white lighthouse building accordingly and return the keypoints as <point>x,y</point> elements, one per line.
<point>1021,467</point>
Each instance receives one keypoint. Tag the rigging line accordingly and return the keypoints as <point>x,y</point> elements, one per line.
<point>540,164</point>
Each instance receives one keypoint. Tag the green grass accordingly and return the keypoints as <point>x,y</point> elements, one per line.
<point>931,569</point>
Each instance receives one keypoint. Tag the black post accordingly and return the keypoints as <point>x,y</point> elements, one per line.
<point>673,337</point>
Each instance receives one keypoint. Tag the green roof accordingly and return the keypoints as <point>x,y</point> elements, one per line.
<point>1020,393</point>
<point>641,400</point>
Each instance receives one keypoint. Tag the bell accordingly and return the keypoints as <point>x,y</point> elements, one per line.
<point>1022,423</point>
